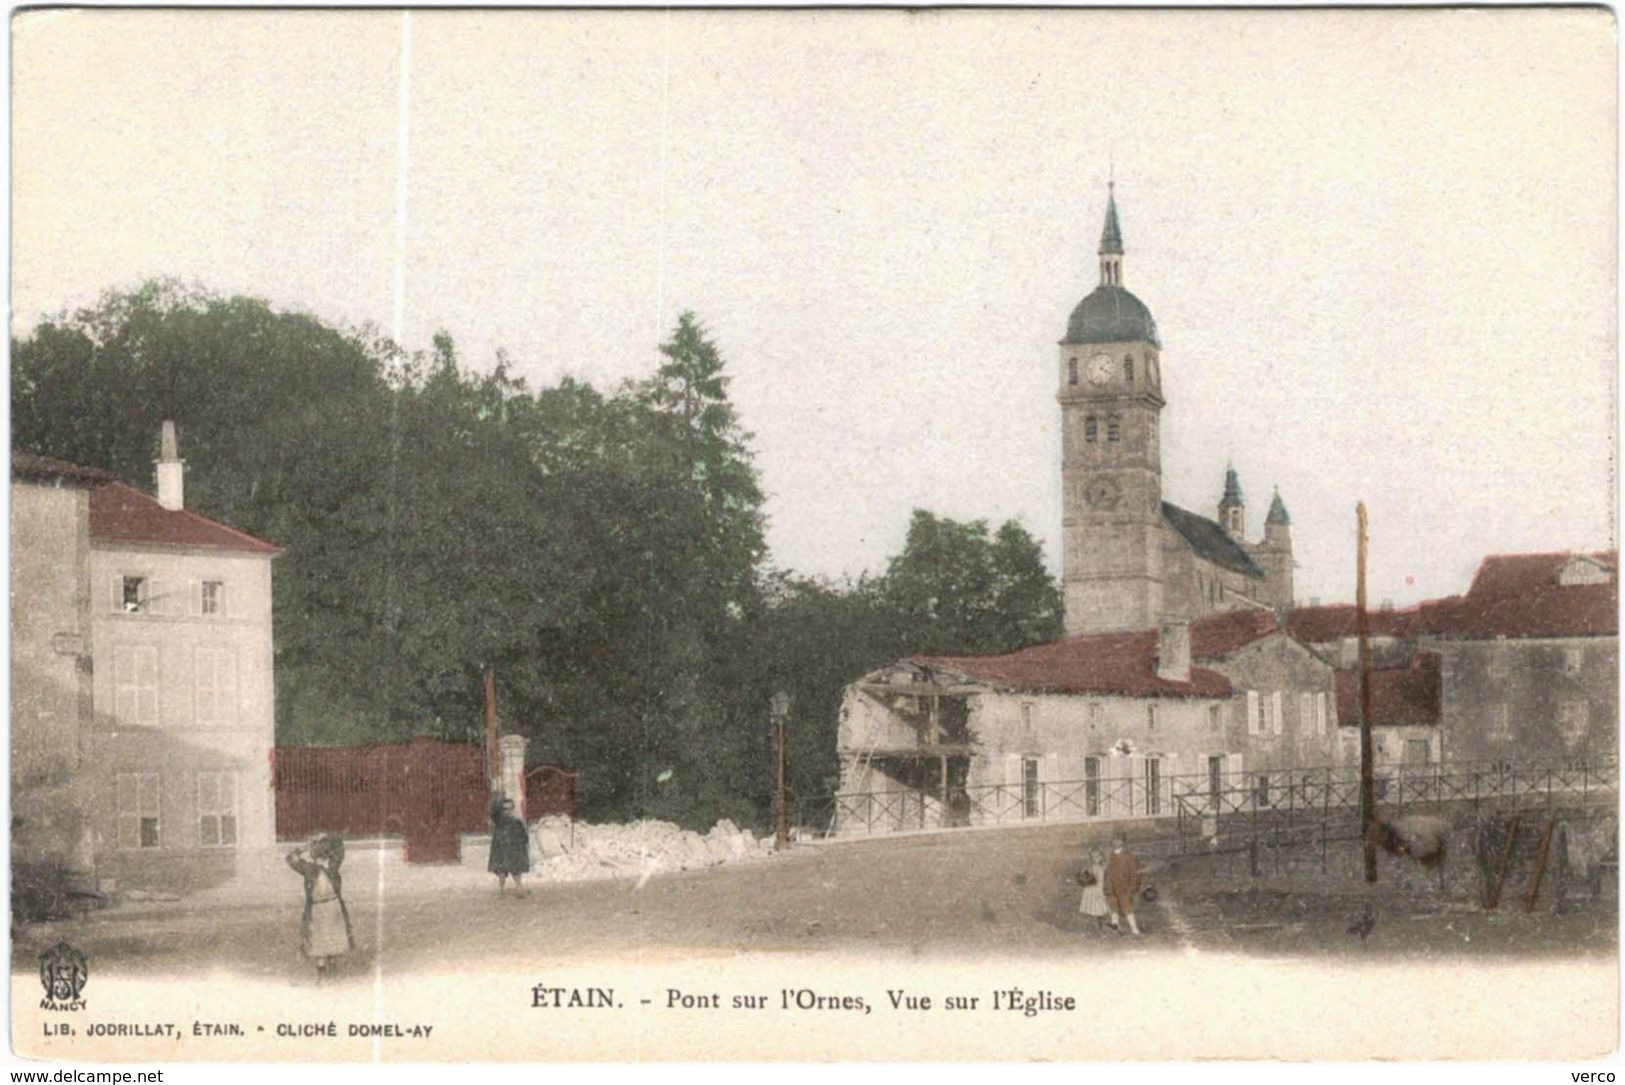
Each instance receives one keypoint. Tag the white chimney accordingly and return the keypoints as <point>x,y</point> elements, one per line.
<point>171,472</point>
<point>1174,650</point>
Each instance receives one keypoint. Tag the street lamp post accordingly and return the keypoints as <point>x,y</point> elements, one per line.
<point>781,808</point>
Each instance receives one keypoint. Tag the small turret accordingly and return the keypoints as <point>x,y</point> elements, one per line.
<point>1277,521</point>
<point>1274,554</point>
<point>1232,507</point>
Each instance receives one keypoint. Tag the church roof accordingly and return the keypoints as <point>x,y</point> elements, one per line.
<point>1232,488</point>
<point>1210,541</point>
<point>1110,314</point>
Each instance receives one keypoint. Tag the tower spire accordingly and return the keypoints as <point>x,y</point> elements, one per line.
<point>1111,242</point>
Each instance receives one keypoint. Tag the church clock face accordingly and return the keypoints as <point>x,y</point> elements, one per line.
<point>1100,369</point>
<point>1102,493</point>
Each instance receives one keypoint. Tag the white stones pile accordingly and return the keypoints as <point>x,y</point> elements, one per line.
<point>637,849</point>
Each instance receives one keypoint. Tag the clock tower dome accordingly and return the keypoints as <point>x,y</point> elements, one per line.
<point>1111,461</point>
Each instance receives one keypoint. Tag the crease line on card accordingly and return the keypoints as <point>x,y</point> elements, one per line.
<point>397,330</point>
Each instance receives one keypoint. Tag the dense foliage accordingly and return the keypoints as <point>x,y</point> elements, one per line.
<point>602,552</point>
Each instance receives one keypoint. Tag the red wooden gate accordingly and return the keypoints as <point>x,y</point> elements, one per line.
<point>425,790</point>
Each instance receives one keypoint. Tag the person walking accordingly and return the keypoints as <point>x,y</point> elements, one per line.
<point>1122,881</point>
<point>1093,879</point>
<point>325,934</point>
<point>510,847</point>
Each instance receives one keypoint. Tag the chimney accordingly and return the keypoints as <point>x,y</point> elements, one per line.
<point>1174,650</point>
<point>171,472</point>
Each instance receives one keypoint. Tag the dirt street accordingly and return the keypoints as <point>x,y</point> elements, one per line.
<point>1007,892</point>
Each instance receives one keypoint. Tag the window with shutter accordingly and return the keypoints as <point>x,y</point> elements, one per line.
<point>135,683</point>
<point>1254,719</point>
<point>138,816</point>
<point>215,672</point>
<point>1275,712</point>
<point>1306,717</point>
<point>217,809</point>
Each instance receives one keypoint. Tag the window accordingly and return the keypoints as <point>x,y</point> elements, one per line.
<point>212,599</point>
<point>1581,570</point>
<point>1072,371</point>
<point>1027,719</point>
<point>137,809</point>
<point>1151,362</point>
<point>1091,786</point>
<point>1321,700</point>
<point>1573,720</point>
<point>1128,368</point>
<point>1501,724</point>
<point>217,809</point>
<point>1097,715</point>
<point>1089,428</point>
<point>1261,789</point>
<point>135,683</point>
<point>1029,787</point>
<point>1150,717</point>
<point>1153,785</point>
<point>1275,712</point>
<point>1255,713</point>
<point>215,673</point>
<point>132,594</point>
<point>1213,718</point>
<point>1114,430</point>
<point>1306,715</point>
<point>1573,660</point>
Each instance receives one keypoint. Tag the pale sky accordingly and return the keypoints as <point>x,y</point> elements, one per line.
<point>1380,247</point>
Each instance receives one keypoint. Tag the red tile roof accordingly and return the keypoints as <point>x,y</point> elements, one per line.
<point>32,468</point>
<point>1518,595</point>
<point>122,514</point>
<point>1400,696</point>
<point>1328,624</point>
<point>1218,635</point>
<point>1124,664</point>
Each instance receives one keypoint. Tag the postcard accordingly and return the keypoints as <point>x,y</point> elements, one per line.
<point>796,535</point>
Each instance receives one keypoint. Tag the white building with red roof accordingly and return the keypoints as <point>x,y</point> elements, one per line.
<point>174,651</point>
<point>1104,725</point>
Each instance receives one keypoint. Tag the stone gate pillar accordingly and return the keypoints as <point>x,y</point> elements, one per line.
<point>511,774</point>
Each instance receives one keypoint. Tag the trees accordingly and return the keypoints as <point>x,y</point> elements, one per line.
<point>603,552</point>
<point>954,589</point>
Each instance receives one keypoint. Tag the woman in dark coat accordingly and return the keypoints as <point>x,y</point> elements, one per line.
<point>324,930</point>
<point>510,846</point>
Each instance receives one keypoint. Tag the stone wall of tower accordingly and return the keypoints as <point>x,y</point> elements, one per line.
<point>1112,534</point>
<point>1274,555</point>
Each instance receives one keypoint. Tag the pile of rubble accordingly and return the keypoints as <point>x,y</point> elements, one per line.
<point>566,852</point>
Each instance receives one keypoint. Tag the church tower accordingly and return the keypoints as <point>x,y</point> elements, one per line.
<point>1111,462</point>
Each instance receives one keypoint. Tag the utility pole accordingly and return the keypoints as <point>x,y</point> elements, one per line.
<point>1368,787</point>
<point>781,807</point>
<point>493,753</point>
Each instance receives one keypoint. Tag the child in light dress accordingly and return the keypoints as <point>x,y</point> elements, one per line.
<point>1093,878</point>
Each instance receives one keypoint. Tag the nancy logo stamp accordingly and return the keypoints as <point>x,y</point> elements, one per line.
<point>63,973</point>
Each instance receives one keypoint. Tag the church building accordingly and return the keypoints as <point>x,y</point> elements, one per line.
<point>1129,558</point>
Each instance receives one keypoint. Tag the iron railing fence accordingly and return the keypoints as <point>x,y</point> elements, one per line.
<point>1197,802</point>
